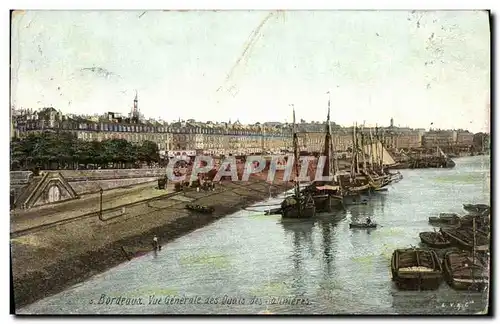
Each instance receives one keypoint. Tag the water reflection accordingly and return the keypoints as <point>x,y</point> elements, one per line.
<point>341,270</point>
<point>301,232</point>
<point>382,196</point>
<point>327,224</point>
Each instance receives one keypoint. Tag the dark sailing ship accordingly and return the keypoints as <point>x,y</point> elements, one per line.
<point>300,204</point>
<point>328,195</point>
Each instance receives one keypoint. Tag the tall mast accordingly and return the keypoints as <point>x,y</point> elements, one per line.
<point>353,160</point>
<point>363,146</point>
<point>296,155</point>
<point>382,149</point>
<point>372,157</point>
<point>328,139</point>
<point>333,146</point>
<point>357,147</point>
<point>333,160</point>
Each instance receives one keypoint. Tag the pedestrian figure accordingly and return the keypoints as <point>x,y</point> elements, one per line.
<point>156,245</point>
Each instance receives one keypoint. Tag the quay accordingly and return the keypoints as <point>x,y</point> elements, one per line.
<point>54,250</point>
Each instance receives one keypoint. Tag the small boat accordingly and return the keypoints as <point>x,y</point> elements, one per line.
<point>445,218</point>
<point>481,220</point>
<point>395,177</point>
<point>355,189</point>
<point>434,240</point>
<point>416,269</point>
<point>464,239</point>
<point>448,215</point>
<point>463,272</point>
<point>200,208</point>
<point>477,208</point>
<point>381,190</point>
<point>362,225</point>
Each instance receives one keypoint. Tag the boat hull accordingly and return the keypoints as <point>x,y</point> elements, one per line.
<point>458,284</point>
<point>328,203</point>
<point>461,242</point>
<point>470,284</point>
<point>273,211</point>
<point>434,243</point>
<point>306,212</point>
<point>362,225</point>
<point>415,280</point>
<point>444,220</point>
<point>478,208</point>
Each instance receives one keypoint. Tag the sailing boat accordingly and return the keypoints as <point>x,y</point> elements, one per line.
<point>357,182</point>
<point>465,271</point>
<point>374,179</point>
<point>299,205</point>
<point>380,176</point>
<point>327,195</point>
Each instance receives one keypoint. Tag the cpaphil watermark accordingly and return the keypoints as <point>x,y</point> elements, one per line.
<point>231,168</point>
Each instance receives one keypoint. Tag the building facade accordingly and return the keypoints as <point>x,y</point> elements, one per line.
<point>225,138</point>
<point>209,138</point>
<point>465,139</point>
<point>439,138</point>
<point>95,128</point>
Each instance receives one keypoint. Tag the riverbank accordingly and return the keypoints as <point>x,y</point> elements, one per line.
<point>51,260</point>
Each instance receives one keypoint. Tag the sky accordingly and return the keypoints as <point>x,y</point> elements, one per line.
<point>416,67</point>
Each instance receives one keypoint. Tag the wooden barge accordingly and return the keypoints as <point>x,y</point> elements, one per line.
<point>416,269</point>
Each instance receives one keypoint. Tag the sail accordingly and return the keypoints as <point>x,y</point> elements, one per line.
<point>441,153</point>
<point>379,153</point>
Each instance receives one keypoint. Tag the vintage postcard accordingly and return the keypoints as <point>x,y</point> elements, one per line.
<point>250,162</point>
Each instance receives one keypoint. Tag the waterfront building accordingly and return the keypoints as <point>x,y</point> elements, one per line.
<point>465,139</point>
<point>439,138</point>
<point>222,138</point>
<point>208,138</point>
<point>481,142</point>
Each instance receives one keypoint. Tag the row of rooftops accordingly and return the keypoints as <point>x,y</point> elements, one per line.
<point>50,113</point>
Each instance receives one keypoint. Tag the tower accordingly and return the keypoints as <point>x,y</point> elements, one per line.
<point>135,110</point>
<point>392,122</point>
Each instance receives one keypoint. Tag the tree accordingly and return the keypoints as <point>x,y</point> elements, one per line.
<point>148,152</point>
<point>50,150</point>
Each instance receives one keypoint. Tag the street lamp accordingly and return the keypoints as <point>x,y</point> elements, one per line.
<point>100,204</point>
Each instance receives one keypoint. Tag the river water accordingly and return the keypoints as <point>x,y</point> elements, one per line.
<point>248,263</point>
